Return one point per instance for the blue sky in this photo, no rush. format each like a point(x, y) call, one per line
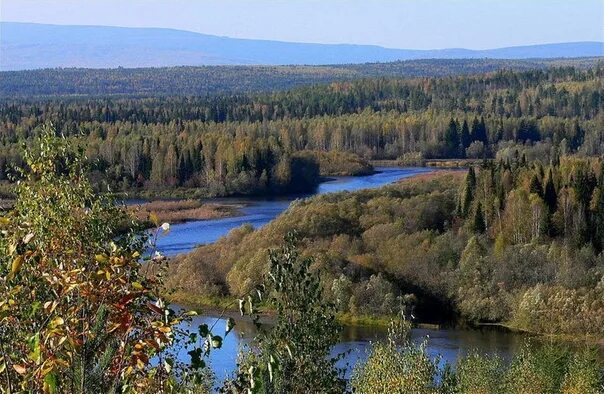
point(414, 24)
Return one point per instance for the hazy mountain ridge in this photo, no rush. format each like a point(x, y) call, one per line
point(34, 46)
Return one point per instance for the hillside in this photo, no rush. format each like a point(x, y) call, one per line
point(34, 46)
point(205, 80)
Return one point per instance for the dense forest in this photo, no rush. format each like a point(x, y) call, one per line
point(269, 142)
point(511, 242)
point(209, 80)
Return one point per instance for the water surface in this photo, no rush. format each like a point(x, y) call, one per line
point(259, 211)
point(446, 344)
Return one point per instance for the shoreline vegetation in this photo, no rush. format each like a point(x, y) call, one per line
point(181, 211)
point(224, 307)
point(305, 171)
point(457, 270)
point(178, 211)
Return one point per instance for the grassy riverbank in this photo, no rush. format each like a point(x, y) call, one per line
point(228, 307)
point(179, 211)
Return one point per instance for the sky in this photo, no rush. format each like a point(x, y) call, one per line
point(409, 24)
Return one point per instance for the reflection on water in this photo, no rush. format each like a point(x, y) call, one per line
point(448, 344)
point(259, 211)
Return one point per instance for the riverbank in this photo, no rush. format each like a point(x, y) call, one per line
point(577, 338)
point(436, 163)
point(225, 307)
point(181, 211)
point(458, 173)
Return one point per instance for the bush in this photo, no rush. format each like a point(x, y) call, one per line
point(476, 374)
point(390, 369)
point(77, 314)
point(294, 355)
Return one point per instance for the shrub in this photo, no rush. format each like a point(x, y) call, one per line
point(77, 314)
point(390, 369)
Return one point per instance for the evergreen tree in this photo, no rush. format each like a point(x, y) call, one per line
point(578, 136)
point(452, 140)
point(468, 192)
point(549, 195)
point(598, 218)
point(484, 137)
point(478, 224)
point(479, 131)
point(535, 186)
point(475, 129)
point(466, 138)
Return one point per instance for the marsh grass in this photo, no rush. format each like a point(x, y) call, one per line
point(179, 211)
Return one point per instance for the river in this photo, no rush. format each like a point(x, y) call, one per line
point(259, 211)
point(355, 342)
point(449, 344)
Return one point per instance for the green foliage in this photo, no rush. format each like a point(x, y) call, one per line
point(397, 366)
point(271, 143)
point(294, 355)
point(78, 314)
point(546, 369)
point(477, 375)
point(478, 224)
point(583, 375)
point(389, 370)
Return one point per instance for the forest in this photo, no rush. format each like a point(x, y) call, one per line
point(515, 240)
point(268, 142)
point(511, 242)
point(211, 80)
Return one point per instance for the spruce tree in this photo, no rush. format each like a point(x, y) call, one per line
point(475, 133)
point(466, 138)
point(468, 193)
point(535, 186)
point(452, 139)
point(478, 224)
point(483, 132)
point(549, 195)
point(598, 215)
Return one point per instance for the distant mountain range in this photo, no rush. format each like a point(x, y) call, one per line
point(34, 46)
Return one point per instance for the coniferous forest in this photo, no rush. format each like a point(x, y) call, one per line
point(267, 143)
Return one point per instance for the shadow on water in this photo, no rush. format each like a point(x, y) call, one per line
point(355, 343)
